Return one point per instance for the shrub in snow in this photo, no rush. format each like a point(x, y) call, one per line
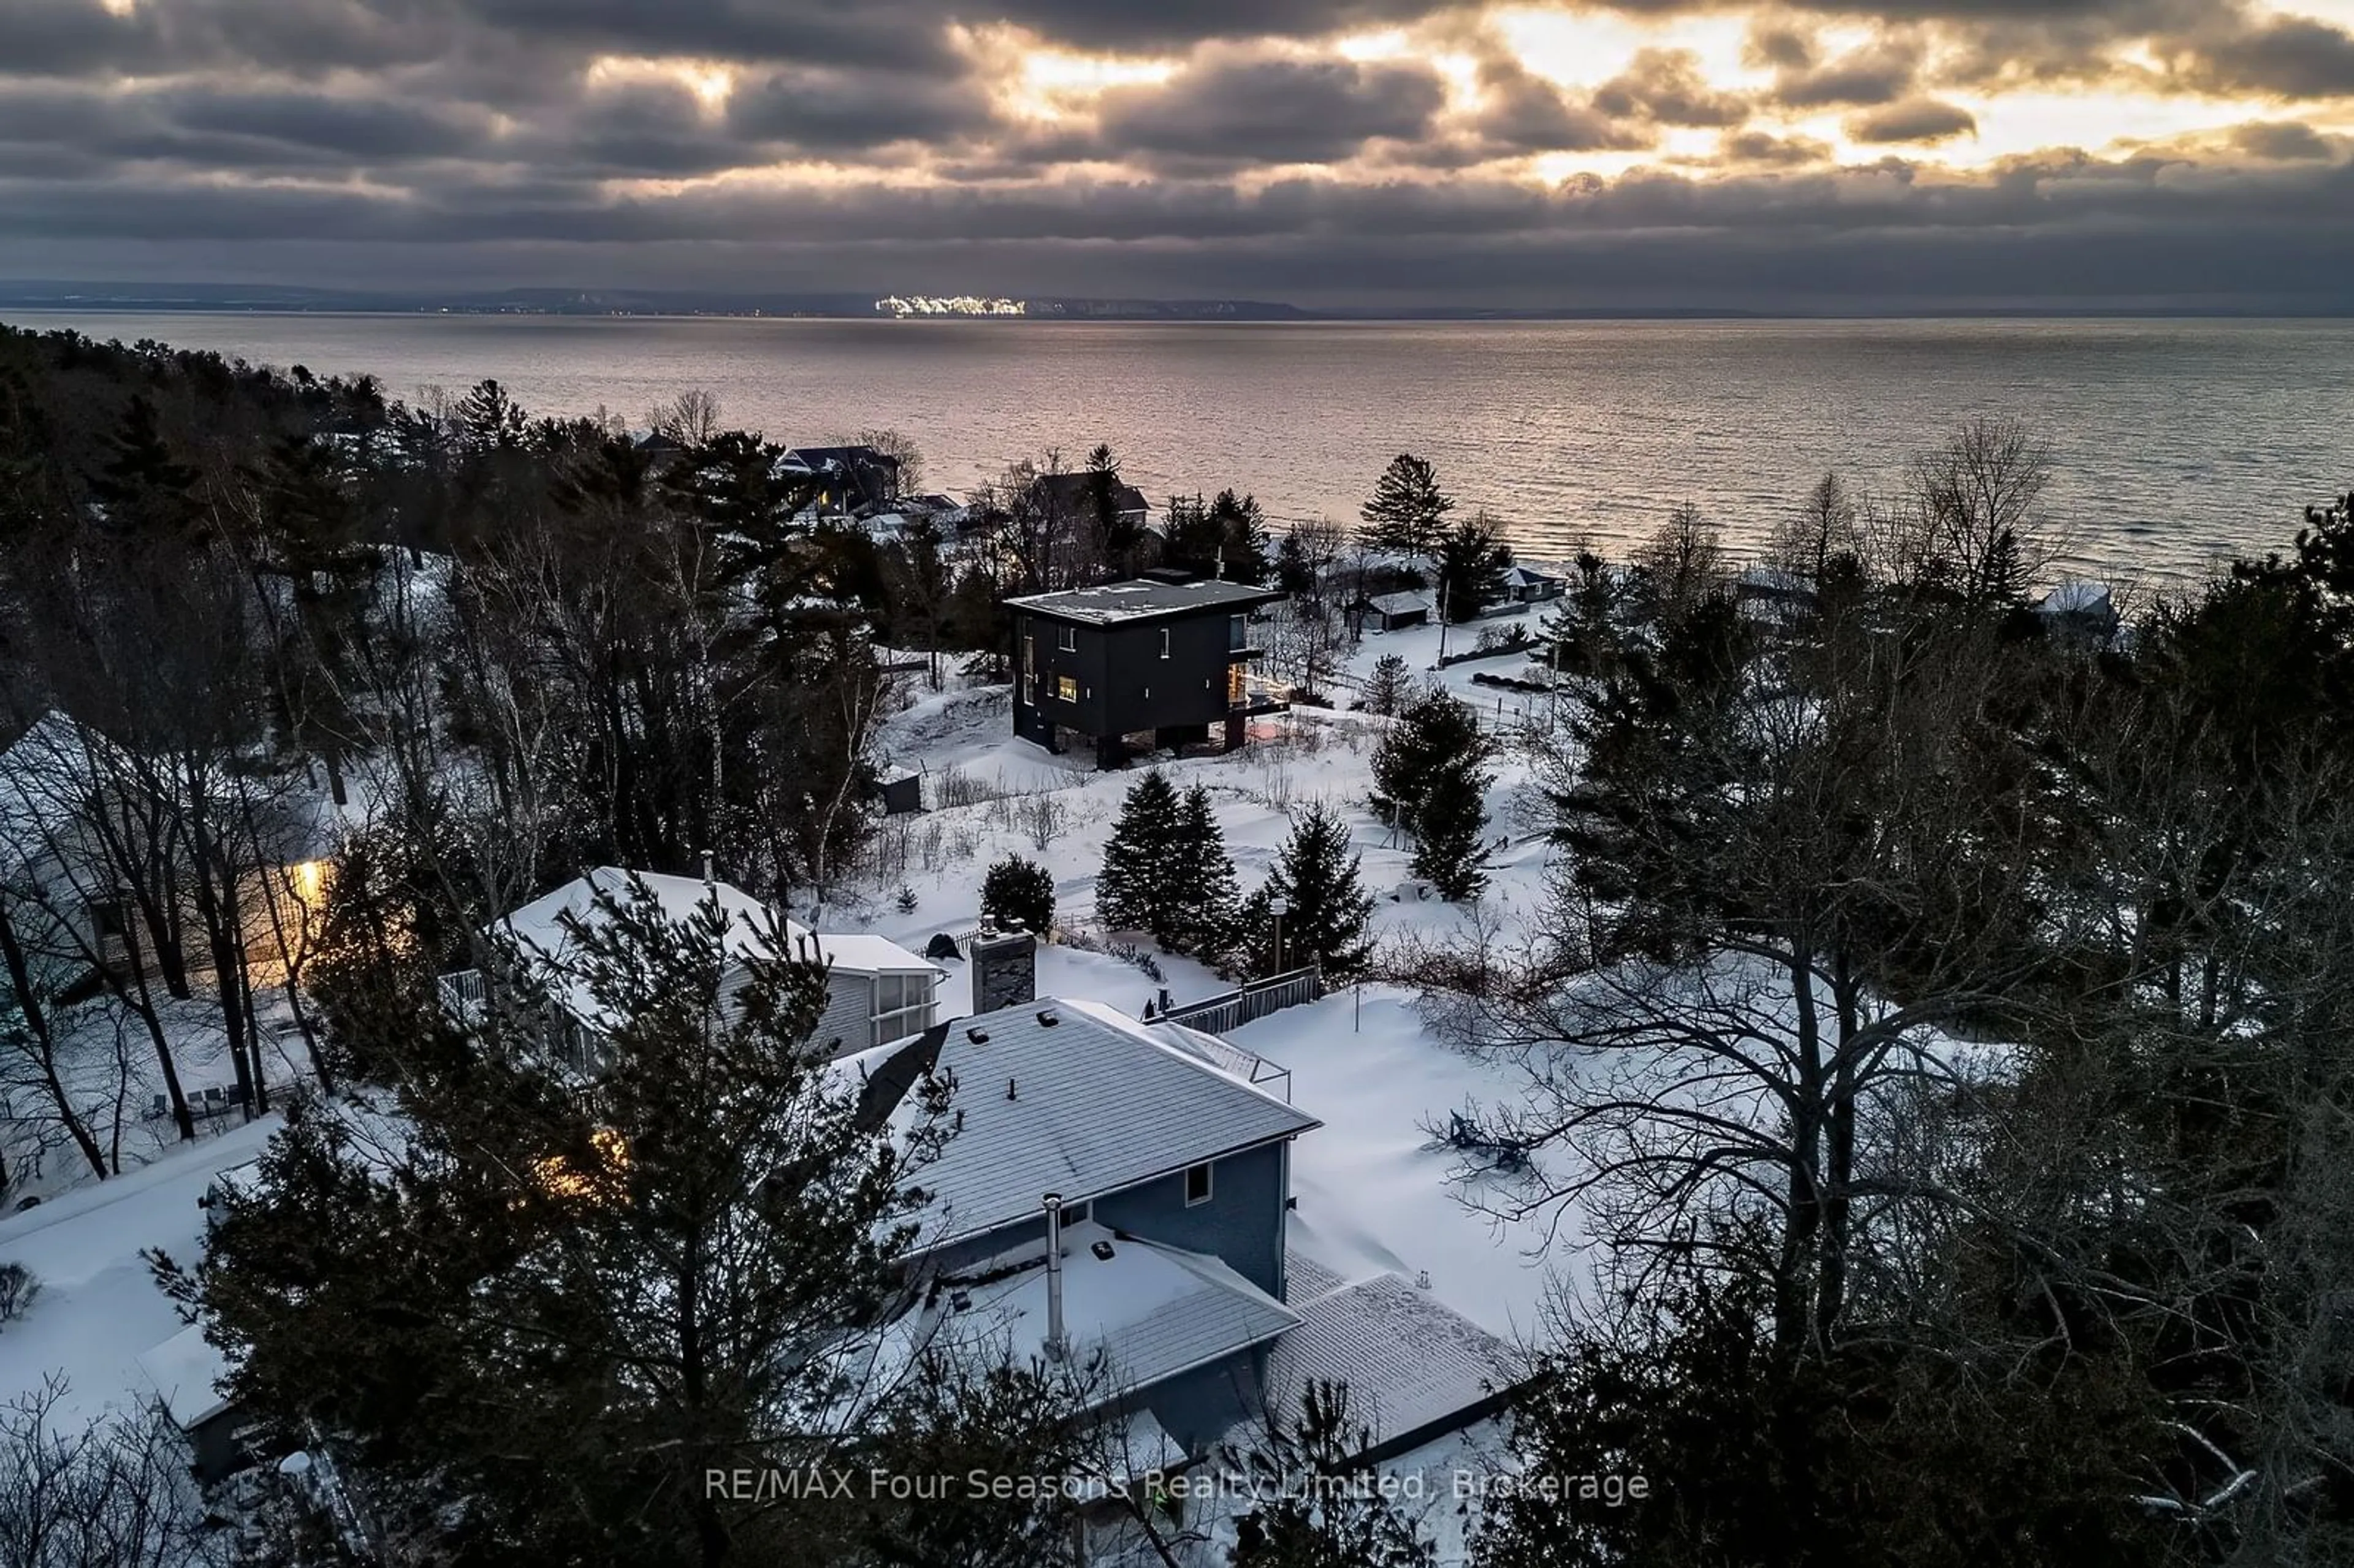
point(17, 1288)
point(1019, 892)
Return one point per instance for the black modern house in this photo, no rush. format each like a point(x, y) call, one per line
point(1129, 667)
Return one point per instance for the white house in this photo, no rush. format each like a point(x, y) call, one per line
point(877, 991)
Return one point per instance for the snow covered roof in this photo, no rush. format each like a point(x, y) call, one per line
point(186, 1370)
point(1411, 1364)
point(1520, 576)
point(866, 955)
point(543, 927)
point(1100, 1103)
point(1135, 1313)
point(1405, 602)
point(44, 775)
point(2076, 597)
point(1142, 598)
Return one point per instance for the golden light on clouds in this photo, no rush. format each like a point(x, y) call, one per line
point(710, 82)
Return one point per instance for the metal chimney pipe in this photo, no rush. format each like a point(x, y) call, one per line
point(1054, 1275)
point(709, 877)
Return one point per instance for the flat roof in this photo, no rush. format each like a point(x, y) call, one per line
point(1144, 598)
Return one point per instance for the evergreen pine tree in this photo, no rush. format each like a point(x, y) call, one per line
point(1387, 686)
point(1433, 729)
point(1019, 893)
point(1408, 510)
point(1137, 891)
point(1451, 848)
point(1472, 561)
point(1203, 878)
point(1329, 907)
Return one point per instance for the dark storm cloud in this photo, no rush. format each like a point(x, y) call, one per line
point(1270, 110)
point(821, 109)
point(1916, 120)
point(2039, 229)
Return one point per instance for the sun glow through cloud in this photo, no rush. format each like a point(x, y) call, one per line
point(710, 82)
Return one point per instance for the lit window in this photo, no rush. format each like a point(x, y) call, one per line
point(1197, 1185)
point(1068, 688)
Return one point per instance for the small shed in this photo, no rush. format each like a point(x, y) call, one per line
point(1393, 612)
point(187, 1371)
point(901, 790)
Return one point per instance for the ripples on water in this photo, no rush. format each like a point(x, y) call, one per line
point(2177, 443)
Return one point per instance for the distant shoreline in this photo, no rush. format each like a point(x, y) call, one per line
point(65, 299)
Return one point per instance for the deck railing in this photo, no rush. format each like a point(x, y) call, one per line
point(1217, 1014)
point(464, 996)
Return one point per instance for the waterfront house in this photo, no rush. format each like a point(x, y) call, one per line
point(1526, 585)
point(1131, 667)
point(2080, 612)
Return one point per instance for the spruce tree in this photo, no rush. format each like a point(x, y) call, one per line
point(1137, 891)
point(1203, 878)
point(1434, 729)
point(1451, 847)
point(1019, 893)
point(1330, 910)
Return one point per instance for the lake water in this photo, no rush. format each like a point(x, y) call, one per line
point(2177, 443)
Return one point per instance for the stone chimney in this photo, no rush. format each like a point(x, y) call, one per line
point(1005, 970)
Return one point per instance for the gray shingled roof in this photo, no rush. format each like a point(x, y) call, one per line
point(1411, 1363)
point(1100, 1103)
point(1141, 598)
point(1140, 1316)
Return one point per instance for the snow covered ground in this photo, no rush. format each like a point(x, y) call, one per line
point(1372, 1186)
point(98, 1308)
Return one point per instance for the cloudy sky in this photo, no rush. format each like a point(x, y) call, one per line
point(1639, 152)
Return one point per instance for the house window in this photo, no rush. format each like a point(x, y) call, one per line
point(1068, 688)
point(1238, 633)
point(1164, 643)
point(1030, 690)
point(1197, 1185)
point(109, 920)
point(1067, 640)
point(903, 1006)
point(1029, 654)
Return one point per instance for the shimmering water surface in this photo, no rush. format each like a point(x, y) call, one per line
point(2177, 442)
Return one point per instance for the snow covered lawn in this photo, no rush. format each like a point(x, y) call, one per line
point(1373, 1187)
point(97, 1309)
